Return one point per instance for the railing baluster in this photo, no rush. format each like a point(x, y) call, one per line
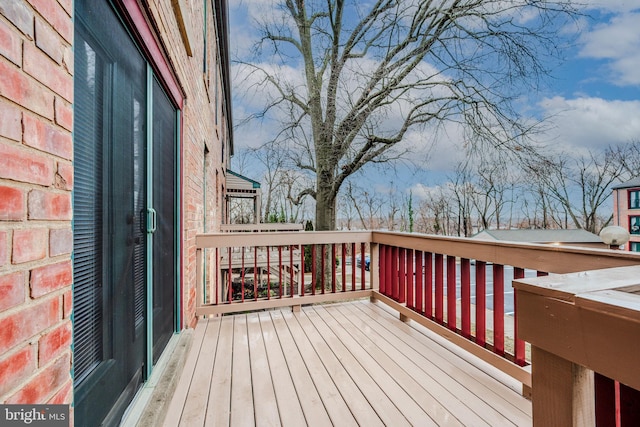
point(410, 280)
point(217, 276)
point(419, 307)
point(451, 292)
point(362, 267)
point(343, 263)
point(519, 345)
point(605, 401)
point(313, 269)
point(302, 269)
point(402, 275)
point(428, 284)
point(291, 275)
point(280, 286)
point(439, 285)
point(481, 303)
point(389, 271)
point(382, 256)
point(268, 273)
point(394, 273)
point(255, 273)
point(322, 268)
point(353, 266)
point(333, 268)
point(498, 309)
point(465, 297)
point(230, 277)
point(242, 275)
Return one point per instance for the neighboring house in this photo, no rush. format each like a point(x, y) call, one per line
point(115, 135)
point(552, 237)
point(626, 211)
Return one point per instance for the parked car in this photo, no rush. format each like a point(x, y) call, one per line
point(367, 262)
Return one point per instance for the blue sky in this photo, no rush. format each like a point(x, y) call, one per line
point(593, 98)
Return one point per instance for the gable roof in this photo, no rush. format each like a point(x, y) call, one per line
point(539, 236)
point(629, 184)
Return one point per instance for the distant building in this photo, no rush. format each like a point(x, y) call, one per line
point(626, 210)
point(552, 237)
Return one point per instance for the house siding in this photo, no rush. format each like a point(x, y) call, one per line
point(36, 179)
point(622, 212)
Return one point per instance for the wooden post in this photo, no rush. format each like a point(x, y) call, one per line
point(562, 391)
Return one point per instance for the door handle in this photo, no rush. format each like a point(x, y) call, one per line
point(152, 220)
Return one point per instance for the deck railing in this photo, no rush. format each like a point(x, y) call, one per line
point(579, 324)
point(453, 286)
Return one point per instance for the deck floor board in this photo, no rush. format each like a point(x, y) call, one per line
point(341, 364)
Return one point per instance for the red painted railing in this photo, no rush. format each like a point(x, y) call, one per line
point(442, 288)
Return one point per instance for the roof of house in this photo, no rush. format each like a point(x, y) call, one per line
point(539, 236)
point(629, 184)
point(235, 181)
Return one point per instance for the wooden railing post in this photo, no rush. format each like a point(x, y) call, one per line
point(200, 282)
point(374, 268)
point(562, 391)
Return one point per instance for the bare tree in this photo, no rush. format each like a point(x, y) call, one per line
point(373, 71)
point(580, 185)
point(628, 155)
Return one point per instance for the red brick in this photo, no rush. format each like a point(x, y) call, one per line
point(11, 204)
point(22, 325)
point(44, 383)
point(25, 165)
point(10, 44)
point(3, 248)
point(47, 72)
point(56, 16)
point(10, 125)
point(46, 137)
point(67, 304)
point(50, 278)
point(16, 368)
point(60, 241)
point(11, 291)
point(63, 396)
point(29, 245)
point(48, 41)
point(64, 176)
point(67, 59)
point(21, 89)
point(67, 5)
point(54, 343)
point(63, 114)
point(19, 14)
point(49, 206)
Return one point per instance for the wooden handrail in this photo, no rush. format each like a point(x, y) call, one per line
point(579, 324)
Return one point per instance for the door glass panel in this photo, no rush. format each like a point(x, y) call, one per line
point(164, 196)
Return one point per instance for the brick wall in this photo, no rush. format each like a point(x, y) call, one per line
point(200, 128)
point(36, 179)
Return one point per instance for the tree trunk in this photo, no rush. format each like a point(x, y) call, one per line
point(325, 206)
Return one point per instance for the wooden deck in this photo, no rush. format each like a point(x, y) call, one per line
point(344, 364)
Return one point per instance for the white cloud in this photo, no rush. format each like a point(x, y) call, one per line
point(616, 41)
point(591, 123)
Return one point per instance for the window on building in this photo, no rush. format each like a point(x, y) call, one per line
point(634, 224)
point(634, 199)
point(635, 246)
